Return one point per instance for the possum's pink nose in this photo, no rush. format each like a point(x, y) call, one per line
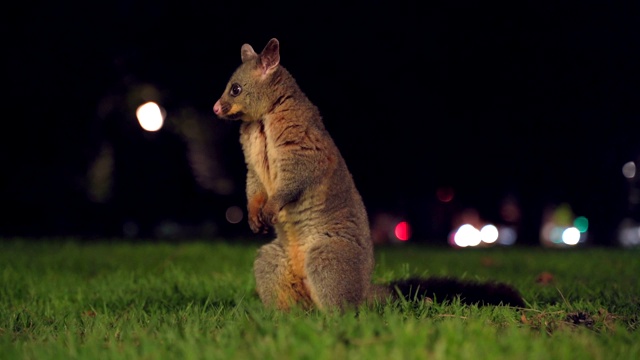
point(217, 107)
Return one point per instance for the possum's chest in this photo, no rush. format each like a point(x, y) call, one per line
point(259, 154)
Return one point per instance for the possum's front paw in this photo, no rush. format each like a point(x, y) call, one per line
point(269, 214)
point(256, 224)
point(263, 219)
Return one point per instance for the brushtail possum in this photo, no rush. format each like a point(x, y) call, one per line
point(298, 185)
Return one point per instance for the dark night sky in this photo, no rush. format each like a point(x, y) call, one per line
point(535, 100)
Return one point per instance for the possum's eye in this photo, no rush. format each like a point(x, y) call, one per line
point(235, 90)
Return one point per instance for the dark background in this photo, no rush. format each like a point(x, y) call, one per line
point(532, 101)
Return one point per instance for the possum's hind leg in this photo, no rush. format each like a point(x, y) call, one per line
point(276, 285)
point(336, 273)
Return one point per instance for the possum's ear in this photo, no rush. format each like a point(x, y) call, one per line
point(270, 56)
point(247, 53)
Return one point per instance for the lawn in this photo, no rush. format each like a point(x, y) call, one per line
point(69, 299)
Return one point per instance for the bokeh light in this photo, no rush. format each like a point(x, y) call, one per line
point(403, 231)
point(467, 235)
point(489, 234)
point(629, 233)
point(445, 194)
point(629, 170)
point(508, 235)
point(234, 214)
point(581, 223)
point(150, 116)
point(571, 236)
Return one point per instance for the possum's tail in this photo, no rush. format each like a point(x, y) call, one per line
point(447, 289)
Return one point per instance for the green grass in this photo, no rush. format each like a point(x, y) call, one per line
point(196, 300)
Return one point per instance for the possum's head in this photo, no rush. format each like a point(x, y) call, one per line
point(249, 92)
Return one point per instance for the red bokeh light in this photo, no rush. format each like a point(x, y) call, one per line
point(445, 194)
point(403, 231)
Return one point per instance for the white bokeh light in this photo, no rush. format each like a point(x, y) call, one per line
point(571, 236)
point(629, 170)
point(467, 235)
point(489, 234)
point(150, 116)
